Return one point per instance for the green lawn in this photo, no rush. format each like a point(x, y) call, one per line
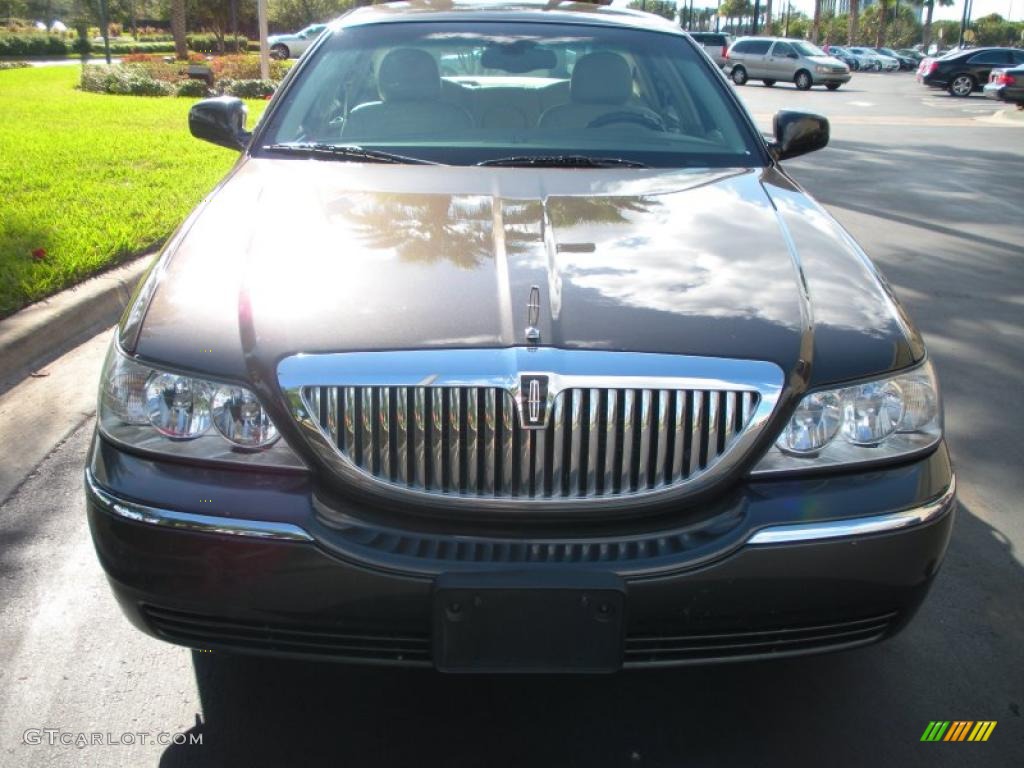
point(92, 179)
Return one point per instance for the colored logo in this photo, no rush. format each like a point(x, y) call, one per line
point(958, 730)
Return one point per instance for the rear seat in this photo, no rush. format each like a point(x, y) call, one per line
point(505, 107)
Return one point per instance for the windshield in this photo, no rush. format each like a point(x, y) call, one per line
point(470, 92)
point(806, 49)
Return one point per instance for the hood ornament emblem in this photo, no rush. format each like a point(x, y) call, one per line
point(533, 317)
point(533, 400)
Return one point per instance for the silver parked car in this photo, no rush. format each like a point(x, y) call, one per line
point(773, 60)
point(294, 45)
point(879, 61)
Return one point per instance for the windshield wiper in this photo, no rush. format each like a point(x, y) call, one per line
point(562, 161)
point(344, 152)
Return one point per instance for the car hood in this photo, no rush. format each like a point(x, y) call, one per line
point(831, 61)
point(304, 256)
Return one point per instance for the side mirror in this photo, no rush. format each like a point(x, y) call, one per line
point(220, 121)
point(797, 133)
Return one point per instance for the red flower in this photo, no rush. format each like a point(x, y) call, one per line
point(39, 254)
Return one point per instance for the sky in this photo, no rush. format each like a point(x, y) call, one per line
point(1008, 9)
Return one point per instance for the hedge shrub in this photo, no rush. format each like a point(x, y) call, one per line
point(123, 80)
point(196, 89)
point(209, 44)
point(246, 89)
point(32, 45)
point(119, 49)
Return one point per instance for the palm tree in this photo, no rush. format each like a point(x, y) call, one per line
point(816, 25)
point(178, 29)
point(883, 20)
point(926, 34)
point(768, 17)
point(851, 22)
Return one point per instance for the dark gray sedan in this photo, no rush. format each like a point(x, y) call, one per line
point(509, 345)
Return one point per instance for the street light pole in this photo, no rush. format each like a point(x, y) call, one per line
point(261, 10)
point(964, 21)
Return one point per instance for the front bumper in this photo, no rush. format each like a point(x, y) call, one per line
point(780, 568)
point(830, 77)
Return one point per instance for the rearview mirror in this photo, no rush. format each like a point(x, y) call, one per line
point(220, 121)
point(797, 133)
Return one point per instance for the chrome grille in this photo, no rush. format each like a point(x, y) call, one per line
point(467, 440)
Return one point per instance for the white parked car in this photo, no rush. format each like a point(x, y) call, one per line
point(294, 45)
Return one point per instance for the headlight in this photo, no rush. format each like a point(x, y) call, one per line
point(169, 413)
point(822, 70)
point(881, 419)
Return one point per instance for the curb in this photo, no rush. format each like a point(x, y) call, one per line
point(33, 336)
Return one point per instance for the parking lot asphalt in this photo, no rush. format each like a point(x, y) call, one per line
point(931, 187)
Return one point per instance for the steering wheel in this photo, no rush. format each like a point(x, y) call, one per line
point(647, 121)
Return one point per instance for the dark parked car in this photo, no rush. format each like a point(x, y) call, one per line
point(965, 71)
point(550, 367)
point(1006, 85)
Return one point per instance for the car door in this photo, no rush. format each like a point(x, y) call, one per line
point(756, 59)
point(981, 64)
point(781, 62)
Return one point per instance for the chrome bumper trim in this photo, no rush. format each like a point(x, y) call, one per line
point(189, 521)
point(858, 526)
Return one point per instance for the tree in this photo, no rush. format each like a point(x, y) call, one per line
point(926, 36)
point(178, 29)
point(661, 7)
point(851, 26)
point(883, 20)
point(295, 14)
point(816, 24)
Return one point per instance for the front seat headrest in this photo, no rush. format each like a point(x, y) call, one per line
point(601, 78)
point(408, 74)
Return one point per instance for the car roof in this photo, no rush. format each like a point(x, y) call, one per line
point(554, 12)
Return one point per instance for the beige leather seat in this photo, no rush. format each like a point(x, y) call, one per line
point(601, 84)
point(409, 84)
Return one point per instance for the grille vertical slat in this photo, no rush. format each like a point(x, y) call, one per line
point(471, 407)
point(488, 417)
point(662, 433)
point(572, 471)
point(365, 426)
point(626, 461)
point(594, 433)
point(558, 487)
point(469, 441)
point(643, 459)
point(680, 399)
point(382, 436)
point(454, 438)
point(417, 438)
point(696, 430)
point(610, 441)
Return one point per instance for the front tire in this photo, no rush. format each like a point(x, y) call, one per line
point(833, 86)
point(803, 80)
point(739, 75)
point(961, 86)
point(768, 83)
point(279, 51)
